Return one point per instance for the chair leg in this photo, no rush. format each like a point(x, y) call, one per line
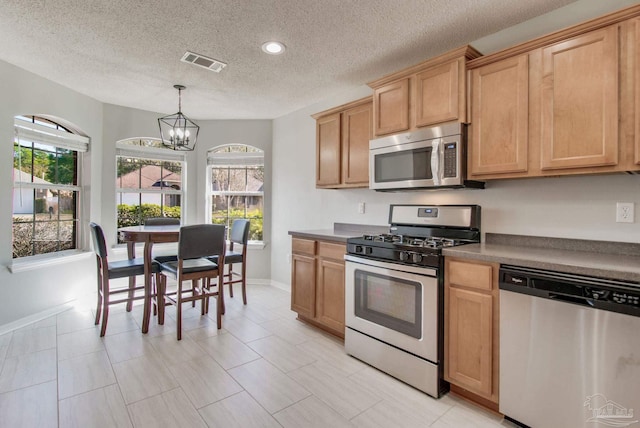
point(154, 292)
point(162, 285)
point(219, 303)
point(244, 283)
point(229, 279)
point(132, 285)
point(105, 314)
point(194, 283)
point(179, 309)
point(99, 305)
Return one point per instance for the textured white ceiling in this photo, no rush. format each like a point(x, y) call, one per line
point(128, 52)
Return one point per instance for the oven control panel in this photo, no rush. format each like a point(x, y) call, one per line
point(395, 255)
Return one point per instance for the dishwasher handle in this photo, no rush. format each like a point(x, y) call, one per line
point(577, 300)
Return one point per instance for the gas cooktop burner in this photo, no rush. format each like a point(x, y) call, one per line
point(417, 234)
point(412, 241)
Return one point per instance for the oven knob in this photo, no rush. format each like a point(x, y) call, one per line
point(368, 250)
point(416, 257)
point(358, 248)
point(404, 256)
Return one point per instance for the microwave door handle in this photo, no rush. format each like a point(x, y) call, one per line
point(436, 159)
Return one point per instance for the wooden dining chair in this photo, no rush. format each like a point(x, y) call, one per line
point(106, 271)
point(162, 221)
point(195, 245)
point(239, 236)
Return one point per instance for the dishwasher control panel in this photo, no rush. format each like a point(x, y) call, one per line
point(628, 298)
point(599, 293)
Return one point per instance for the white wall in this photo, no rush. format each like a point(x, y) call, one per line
point(26, 293)
point(571, 207)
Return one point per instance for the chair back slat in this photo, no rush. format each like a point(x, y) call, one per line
point(240, 231)
point(97, 237)
point(201, 240)
point(162, 221)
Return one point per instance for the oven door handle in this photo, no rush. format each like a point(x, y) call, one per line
point(418, 270)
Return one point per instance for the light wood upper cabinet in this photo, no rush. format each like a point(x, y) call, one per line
point(563, 104)
point(437, 94)
point(391, 107)
point(499, 117)
point(342, 145)
point(328, 150)
point(635, 48)
point(356, 133)
point(580, 101)
point(472, 323)
point(428, 93)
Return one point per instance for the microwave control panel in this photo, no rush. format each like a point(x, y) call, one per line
point(450, 160)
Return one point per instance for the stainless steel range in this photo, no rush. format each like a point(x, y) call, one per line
point(394, 291)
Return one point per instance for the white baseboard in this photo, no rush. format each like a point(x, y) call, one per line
point(22, 322)
point(270, 282)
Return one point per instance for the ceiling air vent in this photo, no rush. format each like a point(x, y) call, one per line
point(203, 61)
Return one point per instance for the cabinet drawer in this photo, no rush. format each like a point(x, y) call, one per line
point(472, 275)
point(331, 251)
point(303, 246)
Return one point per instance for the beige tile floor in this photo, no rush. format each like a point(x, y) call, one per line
point(263, 369)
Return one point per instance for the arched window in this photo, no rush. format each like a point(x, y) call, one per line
point(46, 188)
point(149, 181)
point(236, 186)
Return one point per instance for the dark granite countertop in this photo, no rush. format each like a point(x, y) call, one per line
point(340, 232)
point(601, 259)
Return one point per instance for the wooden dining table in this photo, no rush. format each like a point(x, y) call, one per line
point(149, 235)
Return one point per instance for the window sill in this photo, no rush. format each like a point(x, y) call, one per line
point(256, 245)
point(47, 260)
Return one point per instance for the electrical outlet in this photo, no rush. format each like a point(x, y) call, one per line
point(624, 212)
point(361, 208)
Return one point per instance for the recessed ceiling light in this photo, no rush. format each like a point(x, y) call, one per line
point(273, 48)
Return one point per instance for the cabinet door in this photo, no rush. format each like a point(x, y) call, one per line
point(469, 353)
point(636, 157)
point(328, 150)
point(436, 94)
point(580, 101)
point(391, 107)
point(330, 294)
point(303, 285)
point(356, 133)
point(499, 117)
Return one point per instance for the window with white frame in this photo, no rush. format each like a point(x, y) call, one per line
point(236, 186)
point(149, 181)
point(46, 188)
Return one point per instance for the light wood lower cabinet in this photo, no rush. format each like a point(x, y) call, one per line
point(317, 283)
point(471, 327)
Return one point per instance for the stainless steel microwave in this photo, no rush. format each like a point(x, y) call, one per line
point(428, 158)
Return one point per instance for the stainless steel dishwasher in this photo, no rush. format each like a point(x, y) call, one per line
point(569, 350)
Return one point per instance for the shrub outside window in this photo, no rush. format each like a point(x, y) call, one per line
point(236, 183)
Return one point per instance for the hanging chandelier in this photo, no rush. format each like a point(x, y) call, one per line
point(177, 131)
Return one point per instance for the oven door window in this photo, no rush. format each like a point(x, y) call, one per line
point(391, 302)
point(403, 165)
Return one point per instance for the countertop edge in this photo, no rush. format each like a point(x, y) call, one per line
point(340, 232)
point(568, 261)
